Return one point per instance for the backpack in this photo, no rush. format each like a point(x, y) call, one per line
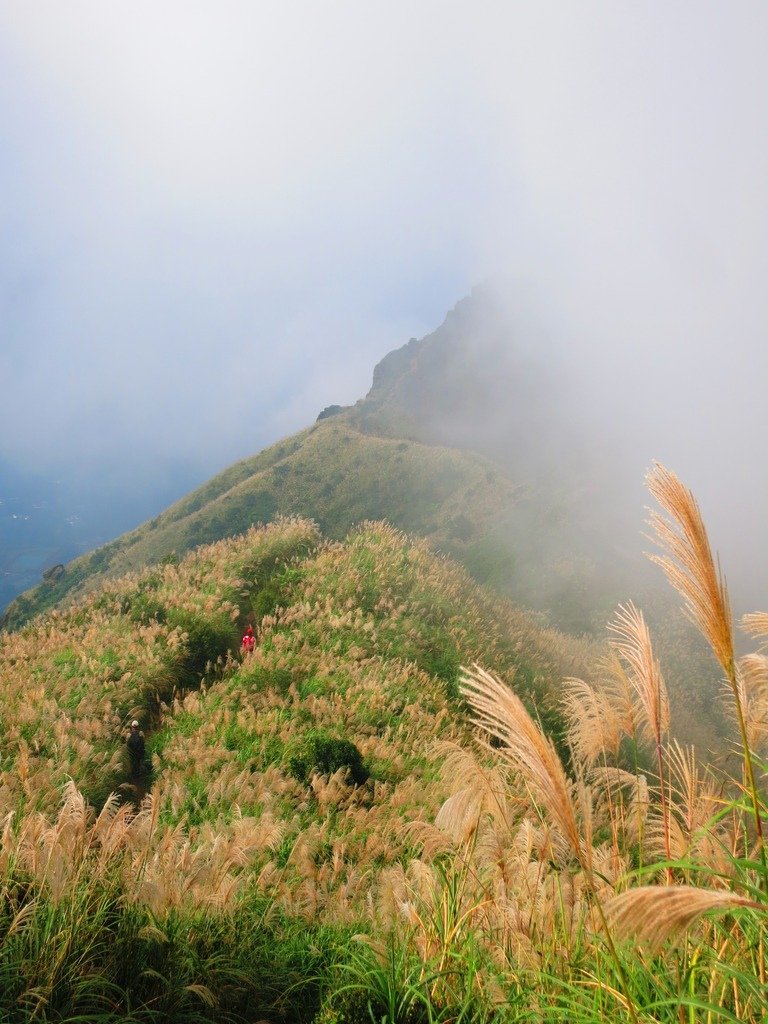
point(135, 744)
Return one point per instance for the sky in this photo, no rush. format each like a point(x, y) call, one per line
point(216, 217)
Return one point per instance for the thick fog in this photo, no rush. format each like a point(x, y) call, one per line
point(217, 217)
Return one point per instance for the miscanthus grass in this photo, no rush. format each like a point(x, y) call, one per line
point(578, 888)
point(115, 917)
point(581, 888)
point(518, 848)
point(229, 891)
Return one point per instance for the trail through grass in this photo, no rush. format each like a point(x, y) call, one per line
point(343, 825)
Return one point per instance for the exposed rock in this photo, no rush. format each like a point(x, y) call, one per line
point(331, 410)
point(54, 573)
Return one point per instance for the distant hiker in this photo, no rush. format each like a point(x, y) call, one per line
point(249, 640)
point(135, 744)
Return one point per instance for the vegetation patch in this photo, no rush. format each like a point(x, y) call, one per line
point(287, 784)
point(318, 751)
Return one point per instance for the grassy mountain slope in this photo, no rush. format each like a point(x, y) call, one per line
point(317, 836)
point(462, 439)
point(325, 611)
point(331, 472)
point(288, 779)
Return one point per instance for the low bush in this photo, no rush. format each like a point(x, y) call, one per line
point(318, 751)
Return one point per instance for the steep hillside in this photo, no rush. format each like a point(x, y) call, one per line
point(293, 774)
point(341, 824)
point(376, 610)
point(330, 472)
point(416, 452)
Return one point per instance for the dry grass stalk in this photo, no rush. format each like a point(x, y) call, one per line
point(628, 816)
point(622, 799)
point(635, 648)
point(477, 791)
point(756, 624)
point(689, 565)
point(501, 713)
point(752, 676)
point(695, 801)
point(595, 724)
point(691, 570)
point(652, 914)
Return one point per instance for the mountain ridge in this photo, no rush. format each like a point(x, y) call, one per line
point(376, 436)
point(463, 438)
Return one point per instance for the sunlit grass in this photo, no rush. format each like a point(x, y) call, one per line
point(344, 825)
point(359, 645)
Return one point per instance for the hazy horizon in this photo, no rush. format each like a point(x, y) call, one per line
point(216, 219)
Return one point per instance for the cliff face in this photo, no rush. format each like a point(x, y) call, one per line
point(478, 384)
point(439, 389)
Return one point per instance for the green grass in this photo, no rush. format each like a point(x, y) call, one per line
point(330, 472)
point(93, 957)
point(356, 667)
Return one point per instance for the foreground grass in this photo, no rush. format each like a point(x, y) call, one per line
point(89, 950)
point(326, 841)
point(588, 891)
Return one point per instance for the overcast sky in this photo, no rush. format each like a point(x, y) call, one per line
point(216, 217)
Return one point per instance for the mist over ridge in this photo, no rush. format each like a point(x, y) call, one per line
point(202, 249)
point(491, 379)
point(585, 418)
point(336, 342)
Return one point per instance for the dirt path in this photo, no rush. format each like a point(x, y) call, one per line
point(137, 785)
point(134, 786)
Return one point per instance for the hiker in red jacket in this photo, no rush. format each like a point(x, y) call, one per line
point(249, 640)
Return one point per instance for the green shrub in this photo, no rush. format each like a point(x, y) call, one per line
point(318, 751)
point(143, 607)
point(207, 640)
point(268, 598)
